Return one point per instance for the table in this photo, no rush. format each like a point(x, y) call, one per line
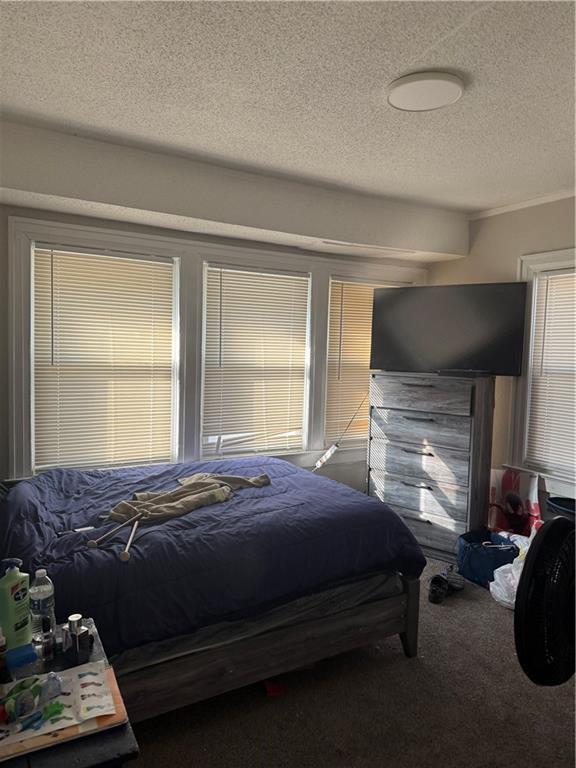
point(110, 749)
point(107, 749)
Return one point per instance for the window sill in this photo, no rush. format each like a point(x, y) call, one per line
point(555, 486)
point(304, 459)
point(345, 455)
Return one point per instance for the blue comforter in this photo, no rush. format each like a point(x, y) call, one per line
point(235, 559)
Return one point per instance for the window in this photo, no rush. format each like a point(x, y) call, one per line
point(103, 370)
point(255, 362)
point(348, 364)
point(109, 312)
point(550, 427)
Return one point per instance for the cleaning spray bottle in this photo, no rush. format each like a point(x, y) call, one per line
point(15, 604)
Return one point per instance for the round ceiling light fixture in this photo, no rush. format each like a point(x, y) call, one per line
point(424, 91)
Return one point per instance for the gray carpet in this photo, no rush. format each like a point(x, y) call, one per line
point(463, 703)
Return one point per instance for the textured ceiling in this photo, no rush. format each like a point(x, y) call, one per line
point(296, 88)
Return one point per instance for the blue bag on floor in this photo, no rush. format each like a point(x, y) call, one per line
point(481, 552)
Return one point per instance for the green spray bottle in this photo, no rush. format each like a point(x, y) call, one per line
point(15, 604)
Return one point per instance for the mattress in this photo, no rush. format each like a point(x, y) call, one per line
point(228, 561)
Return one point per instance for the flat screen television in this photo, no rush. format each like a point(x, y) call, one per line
point(428, 329)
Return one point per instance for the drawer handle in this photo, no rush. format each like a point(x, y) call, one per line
point(416, 384)
point(418, 418)
point(416, 485)
point(417, 452)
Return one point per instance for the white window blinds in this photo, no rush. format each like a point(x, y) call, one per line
point(103, 360)
point(256, 328)
point(348, 370)
point(550, 436)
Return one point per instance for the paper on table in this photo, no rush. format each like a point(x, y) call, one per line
point(85, 695)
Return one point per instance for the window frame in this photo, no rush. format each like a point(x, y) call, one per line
point(174, 262)
point(359, 281)
point(24, 236)
point(192, 252)
point(530, 267)
point(265, 271)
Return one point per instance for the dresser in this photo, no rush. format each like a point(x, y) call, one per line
point(429, 453)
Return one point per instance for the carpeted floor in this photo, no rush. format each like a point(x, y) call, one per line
point(463, 703)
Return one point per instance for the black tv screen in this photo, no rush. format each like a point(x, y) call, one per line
point(426, 329)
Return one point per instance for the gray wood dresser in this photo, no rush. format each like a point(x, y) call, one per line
point(429, 453)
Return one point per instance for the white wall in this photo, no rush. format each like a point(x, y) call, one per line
point(44, 168)
point(496, 244)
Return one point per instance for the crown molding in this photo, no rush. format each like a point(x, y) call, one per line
point(518, 206)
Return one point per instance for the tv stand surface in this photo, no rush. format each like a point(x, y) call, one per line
point(465, 373)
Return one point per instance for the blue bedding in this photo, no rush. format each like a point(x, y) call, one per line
point(261, 548)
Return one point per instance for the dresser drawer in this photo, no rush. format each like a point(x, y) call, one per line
point(432, 534)
point(421, 462)
point(422, 393)
point(423, 497)
point(421, 428)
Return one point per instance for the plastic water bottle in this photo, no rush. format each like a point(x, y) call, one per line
point(42, 608)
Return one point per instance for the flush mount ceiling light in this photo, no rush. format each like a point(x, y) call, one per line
point(424, 91)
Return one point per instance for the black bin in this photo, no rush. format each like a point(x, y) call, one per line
point(560, 506)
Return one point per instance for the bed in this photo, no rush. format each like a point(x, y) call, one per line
point(274, 578)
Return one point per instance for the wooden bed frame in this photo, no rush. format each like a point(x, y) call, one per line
point(185, 680)
point(188, 679)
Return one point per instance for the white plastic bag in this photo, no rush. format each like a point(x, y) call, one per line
point(507, 577)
